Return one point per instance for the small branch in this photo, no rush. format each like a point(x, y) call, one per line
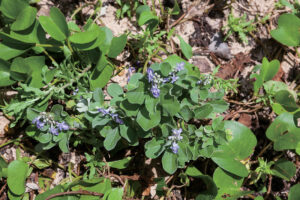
point(9, 142)
point(81, 192)
point(264, 149)
point(2, 189)
point(269, 187)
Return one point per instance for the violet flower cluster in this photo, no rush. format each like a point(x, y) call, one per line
point(175, 138)
point(55, 127)
point(207, 80)
point(156, 80)
point(110, 113)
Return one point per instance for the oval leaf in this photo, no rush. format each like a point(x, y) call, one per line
point(169, 162)
point(55, 25)
point(287, 31)
point(25, 19)
point(16, 176)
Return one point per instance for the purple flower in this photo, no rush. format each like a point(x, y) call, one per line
point(130, 71)
point(199, 82)
point(35, 120)
point(174, 78)
point(75, 91)
point(175, 147)
point(39, 124)
point(104, 111)
point(53, 130)
point(155, 91)
point(179, 66)
point(115, 117)
point(177, 132)
point(165, 80)
point(150, 74)
point(63, 126)
point(176, 135)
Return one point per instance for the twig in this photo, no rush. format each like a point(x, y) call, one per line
point(2, 189)
point(264, 149)
point(82, 192)
point(269, 187)
point(9, 142)
point(184, 14)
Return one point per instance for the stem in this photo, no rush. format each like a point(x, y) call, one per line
point(47, 45)
point(75, 79)
point(69, 46)
point(148, 59)
point(49, 56)
point(264, 149)
point(82, 192)
point(9, 142)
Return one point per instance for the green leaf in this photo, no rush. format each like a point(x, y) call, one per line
point(287, 31)
point(120, 164)
point(100, 79)
point(117, 46)
point(229, 155)
point(269, 69)
point(203, 111)
point(114, 90)
point(186, 113)
point(284, 169)
point(111, 139)
point(231, 165)
point(90, 43)
point(130, 109)
point(55, 190)
point(98, 95)
point(145, 16)
point(151, 104)
point(193, 171)
point(211, 191)
point(185, 48)
point(84, 37)
point(3, 168)
point(129, 134)
point(5, 74)
point(100, 121)
point(25, 19)
point(169, 162)
point(115, 194)
point(283, 132)
point(298, 148)
point(227, 183)
point(41, 163)
point(286, 100)
point(36, 64)
point(170, 104)
point(16, 176)
point(176, 9)
point(11, 50)
point(147, 120)
point(294, 193)
point(165, 68)
point(64, 143)
point(272, 87)
point(137, 96)
point(55, 25)
point(154, 148)
point(134, 81)
point(192, 70)
point(12, 9)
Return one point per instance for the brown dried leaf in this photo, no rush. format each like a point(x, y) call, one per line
point(245, 119)
point(238, 63)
